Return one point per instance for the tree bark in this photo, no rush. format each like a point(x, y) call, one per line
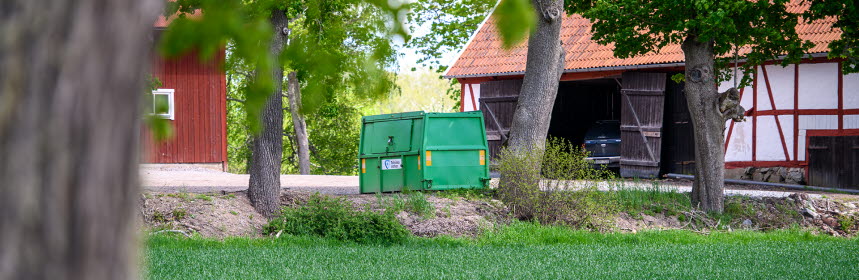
point(545, 63)
point(301, 137)
point(708, 125)
point(264, 183)
point(71, 85)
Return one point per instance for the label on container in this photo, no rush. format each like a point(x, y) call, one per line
point(392, 164)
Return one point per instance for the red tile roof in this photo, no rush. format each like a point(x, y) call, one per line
point(484, 56)
point(163, 22)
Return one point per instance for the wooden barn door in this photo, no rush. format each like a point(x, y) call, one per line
point(678, 142)
point(833, 161)
point(642, 102)
point(498, 102)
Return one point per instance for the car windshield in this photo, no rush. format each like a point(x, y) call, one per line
point(604, 130)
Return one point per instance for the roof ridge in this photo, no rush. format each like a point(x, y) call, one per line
point(584, 53)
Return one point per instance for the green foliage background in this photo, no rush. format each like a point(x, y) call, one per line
point(343, 54)
point(334, 127)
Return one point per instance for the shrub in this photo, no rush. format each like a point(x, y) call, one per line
point(336, 218)
point(565, 161)
point(538, 185)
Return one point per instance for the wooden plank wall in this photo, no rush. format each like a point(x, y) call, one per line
point(833, 161)
point(641, 124)
point(200, 112)
point(500, 97)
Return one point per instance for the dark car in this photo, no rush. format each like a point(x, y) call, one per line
point(602, 141)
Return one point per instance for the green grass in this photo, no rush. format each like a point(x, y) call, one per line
point(652, 200)
point(521, 251)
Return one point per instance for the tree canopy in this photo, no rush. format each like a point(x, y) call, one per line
point(448, 23)
point(332, 45)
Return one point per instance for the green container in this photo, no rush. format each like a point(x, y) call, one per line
point(423, 151)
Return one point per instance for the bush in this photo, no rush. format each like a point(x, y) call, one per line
point(537, 185)
point(336, 218)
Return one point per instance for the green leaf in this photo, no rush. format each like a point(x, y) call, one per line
point(514, 19)
point(678, 78)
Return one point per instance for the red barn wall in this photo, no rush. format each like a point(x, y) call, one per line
point(200, 125)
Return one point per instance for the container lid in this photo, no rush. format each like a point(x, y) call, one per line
point(395, 116)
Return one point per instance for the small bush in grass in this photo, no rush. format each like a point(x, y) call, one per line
point(416, 202)
point(159, 217)
point(336, 218)
point(393, 203)
point(538, 185)
point(410, 201)
point(179, 214)
point(846, 222)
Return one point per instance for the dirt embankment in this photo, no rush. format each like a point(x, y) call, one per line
point(230, 214)
point(210, 215)
point(223, 215)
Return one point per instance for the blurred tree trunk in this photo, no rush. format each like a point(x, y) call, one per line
point(294, 94)
point(71, 83)
point(545, 63)
point(264, 183)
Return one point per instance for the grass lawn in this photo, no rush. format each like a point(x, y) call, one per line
point(522, 251)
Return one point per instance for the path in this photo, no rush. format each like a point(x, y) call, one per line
point(201, 180)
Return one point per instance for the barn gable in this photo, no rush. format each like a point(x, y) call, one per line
point(199, 118)
point(788, 108)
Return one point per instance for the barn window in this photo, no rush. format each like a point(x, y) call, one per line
point(162, 103)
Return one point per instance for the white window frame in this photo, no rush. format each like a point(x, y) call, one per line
point(169, 93)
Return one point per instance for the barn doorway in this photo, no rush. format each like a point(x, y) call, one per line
point(581, 104)
point(833, 161)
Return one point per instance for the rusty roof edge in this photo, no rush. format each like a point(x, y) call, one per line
point(462, 50)
point(599, 69)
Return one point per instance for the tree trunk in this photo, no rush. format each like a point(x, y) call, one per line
point(545, 63)
point(264, 183)
point(71, 83)
point(294, 93)
point(708, 125)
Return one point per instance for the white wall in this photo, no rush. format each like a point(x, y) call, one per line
point(469, 106)
point(851, 121)
point(781, 83)
point(851, 93)
point(818, 89)
point(818, 86)
point(740, 147)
